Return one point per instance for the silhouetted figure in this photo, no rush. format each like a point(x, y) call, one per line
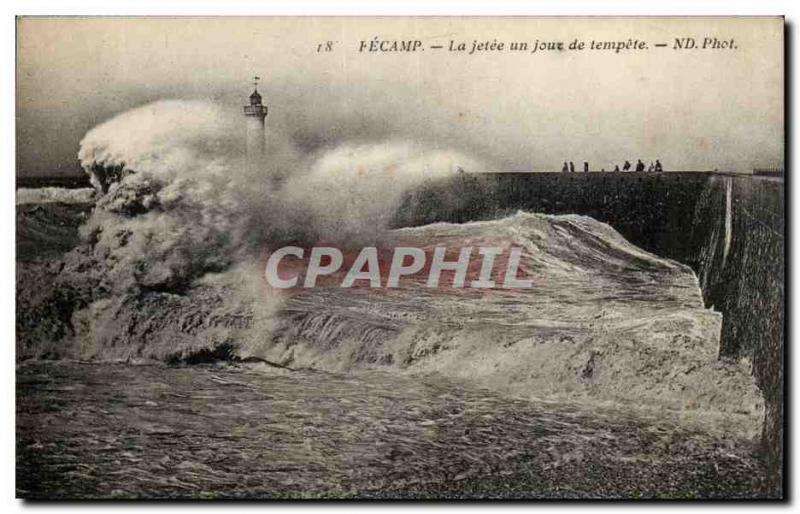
point(602, 170)
point(616, 167)
point(571, 167)
point(626, 166)
point(565, 168)
point(585, 167)
point(652, 167)
point(658, 166)
point(639, 165)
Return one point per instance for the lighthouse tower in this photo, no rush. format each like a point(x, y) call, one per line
point(255, 113)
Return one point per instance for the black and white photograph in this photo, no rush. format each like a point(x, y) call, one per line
point(400, 258)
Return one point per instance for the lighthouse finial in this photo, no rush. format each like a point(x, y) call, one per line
point(255, 82)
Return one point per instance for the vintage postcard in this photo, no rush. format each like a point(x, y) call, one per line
point(400, 258)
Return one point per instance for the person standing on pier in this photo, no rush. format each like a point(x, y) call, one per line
point(585, 167)
point(639, 165)
point(571, 167)
point(626, 166)
point(565, 168)
point(659, 169)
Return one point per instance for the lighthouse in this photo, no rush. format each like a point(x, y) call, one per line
point(254, 113)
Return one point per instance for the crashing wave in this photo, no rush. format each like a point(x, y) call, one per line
point(170, 266)
point(604, 322)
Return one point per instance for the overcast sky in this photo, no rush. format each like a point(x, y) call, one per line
point(516, 110)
